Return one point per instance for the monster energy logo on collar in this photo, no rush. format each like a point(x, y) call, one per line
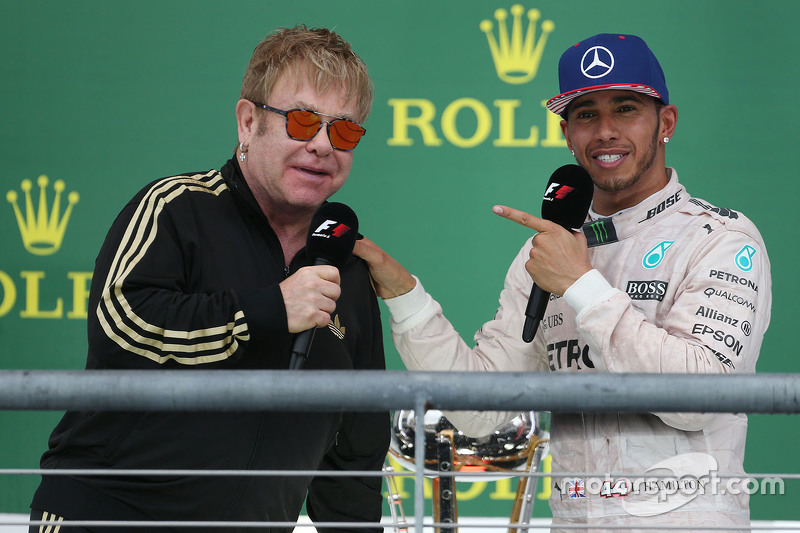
point(600, 232)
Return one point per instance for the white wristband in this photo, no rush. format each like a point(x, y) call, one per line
point(588, 290)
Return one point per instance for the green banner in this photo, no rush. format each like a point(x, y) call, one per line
point(98, 98)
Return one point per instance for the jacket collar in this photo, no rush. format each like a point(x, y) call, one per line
point(601, 230)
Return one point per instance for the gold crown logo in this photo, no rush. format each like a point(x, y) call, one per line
point(42, 232)
point(517, 60)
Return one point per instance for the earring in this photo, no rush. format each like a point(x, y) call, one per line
point(666, 140)
point(243, 149)
point(572, 152)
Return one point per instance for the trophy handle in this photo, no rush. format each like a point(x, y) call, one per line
point(526, 488)
point(445, 508)
point(395, 502)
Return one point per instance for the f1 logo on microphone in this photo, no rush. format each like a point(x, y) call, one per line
point(556, 191)
point(337, 231)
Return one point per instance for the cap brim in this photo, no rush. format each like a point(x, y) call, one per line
point(559, 103)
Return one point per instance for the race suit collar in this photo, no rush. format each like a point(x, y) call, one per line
point(605, 230)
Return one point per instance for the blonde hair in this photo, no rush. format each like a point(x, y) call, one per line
point(318, 55)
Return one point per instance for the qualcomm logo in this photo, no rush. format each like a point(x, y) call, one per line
point(654, 257)
point(517, 56)
point(42, 229)
point(597, 62)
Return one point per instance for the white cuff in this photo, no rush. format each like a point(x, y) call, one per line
point(588, 290)
point(410, 309)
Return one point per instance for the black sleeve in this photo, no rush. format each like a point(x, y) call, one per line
point(155, 300)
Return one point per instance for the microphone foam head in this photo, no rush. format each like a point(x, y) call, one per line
point(568, 196)
point(333, 233)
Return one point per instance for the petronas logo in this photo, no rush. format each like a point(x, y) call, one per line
point(654, 257)
point(744, 259)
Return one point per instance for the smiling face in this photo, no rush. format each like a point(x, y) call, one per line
point(287, 177)
point(617, 136)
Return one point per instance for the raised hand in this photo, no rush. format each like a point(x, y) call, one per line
point(558, 257)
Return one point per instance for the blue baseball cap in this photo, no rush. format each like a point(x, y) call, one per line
point(608, 61)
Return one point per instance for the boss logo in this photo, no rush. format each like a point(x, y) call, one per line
point(647, 290)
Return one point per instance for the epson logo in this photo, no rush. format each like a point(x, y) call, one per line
point(647, 290)
point(721, 336)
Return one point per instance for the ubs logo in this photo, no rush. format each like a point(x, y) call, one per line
point(553, 321)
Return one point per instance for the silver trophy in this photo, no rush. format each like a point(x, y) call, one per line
point(518, 446)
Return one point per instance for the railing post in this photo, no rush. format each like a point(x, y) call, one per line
point(419, 470)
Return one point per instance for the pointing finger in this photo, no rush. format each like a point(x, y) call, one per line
point(522, 218)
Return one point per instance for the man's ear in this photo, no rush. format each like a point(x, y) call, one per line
point(669, 121)
point(565, 133)
point(245, 120)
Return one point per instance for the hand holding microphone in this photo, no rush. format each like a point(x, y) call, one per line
point(558, 257)
point(310, 296)
point(310, 293)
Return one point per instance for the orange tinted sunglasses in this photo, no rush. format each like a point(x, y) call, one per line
point(303, 125)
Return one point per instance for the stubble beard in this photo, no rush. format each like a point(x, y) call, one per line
point(620, 183)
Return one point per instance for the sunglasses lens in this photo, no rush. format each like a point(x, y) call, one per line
point(345, 134)
point(303, 125)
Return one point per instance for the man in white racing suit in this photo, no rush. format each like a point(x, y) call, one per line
point(656, 282)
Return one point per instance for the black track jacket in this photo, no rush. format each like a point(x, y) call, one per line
point(188, 278)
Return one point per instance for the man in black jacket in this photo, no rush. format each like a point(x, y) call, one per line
point(208, 270)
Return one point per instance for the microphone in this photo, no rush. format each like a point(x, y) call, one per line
point(566, 202)
point(331, 238)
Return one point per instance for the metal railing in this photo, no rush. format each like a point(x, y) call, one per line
point(208, 390)
point(369, 390)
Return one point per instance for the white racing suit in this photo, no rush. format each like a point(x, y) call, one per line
point(678, 286)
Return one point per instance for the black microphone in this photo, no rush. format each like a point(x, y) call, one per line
point(331, 238)
point(566, 202)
